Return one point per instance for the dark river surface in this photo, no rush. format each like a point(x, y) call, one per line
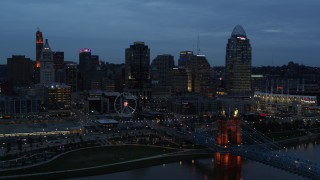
point(204, 169)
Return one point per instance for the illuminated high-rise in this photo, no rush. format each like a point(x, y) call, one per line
point(47, 73)
point(137, 75)
point(184, 57)
point(39, 46)
point(238, 64)
point(84, 59)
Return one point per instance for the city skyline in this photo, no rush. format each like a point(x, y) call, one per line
point(279, 31)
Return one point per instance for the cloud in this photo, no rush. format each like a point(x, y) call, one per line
point(168, 26)
point(272, 31)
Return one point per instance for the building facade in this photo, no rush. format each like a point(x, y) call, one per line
point(160, 72)
point(47, 72)
point(57, 96)
point(20, 70)
point(71, 76)
point(184, 57)
point(238, 64)
point(178, 81)
point(137, 73)
point(39, 46)
point(19, 105)
point(198, 70)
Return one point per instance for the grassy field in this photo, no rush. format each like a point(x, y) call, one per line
point(90, 157)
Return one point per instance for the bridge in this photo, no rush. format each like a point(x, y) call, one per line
point(229, 150)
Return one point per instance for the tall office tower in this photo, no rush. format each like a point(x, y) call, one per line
point(84, 59)
point(161, 65)
point(20, 70)
point(39, 46)
point(137, 74)
point(47, 74)
point(94, 62)
point(184, 57)
point(84, 64)
point(160, 69)
point(178, 81)
point(198, 70)
point(71, 76)
point(238, 64)
point(58, 59)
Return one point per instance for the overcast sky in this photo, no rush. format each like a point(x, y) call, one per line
point(279, 30)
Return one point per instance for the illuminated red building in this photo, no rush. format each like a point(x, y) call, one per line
point(39, 46)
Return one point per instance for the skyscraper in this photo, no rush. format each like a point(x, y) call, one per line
point(84, 60)
point(198, 70)
point(184, 57)
point(238, 64)
point(39, 46)
point(58, 59)
point(137, 76)
point(160, 67)
point(71, 71)
point(160, 72)
point(20, 70)
point(47, 74)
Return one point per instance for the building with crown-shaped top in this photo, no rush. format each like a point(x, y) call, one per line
point(238, 64)
point(47, 74)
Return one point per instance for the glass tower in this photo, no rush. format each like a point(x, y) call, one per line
point(137, 74)
point(238, 64)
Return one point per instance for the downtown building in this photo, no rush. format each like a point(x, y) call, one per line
point(20, 70)
point(39, 47)
point(58, 61)
point(198, 72)
point(161, 67)
point(137, 73)
point(238, 64)
point(88, 64)
point(13, 106)
point(47, 72)
point(237, 74)
point(71, 76)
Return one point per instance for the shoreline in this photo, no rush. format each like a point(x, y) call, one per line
point(139, 163)
point(117, 167)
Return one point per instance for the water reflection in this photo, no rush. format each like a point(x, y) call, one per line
point(209, 169)
point(227, 166)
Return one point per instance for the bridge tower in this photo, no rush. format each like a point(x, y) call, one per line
point(229, 134)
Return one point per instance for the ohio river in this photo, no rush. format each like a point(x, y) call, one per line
point(204, 169)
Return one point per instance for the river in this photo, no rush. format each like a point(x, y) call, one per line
point(204, 169)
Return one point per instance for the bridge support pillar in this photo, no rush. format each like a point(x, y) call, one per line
point(228, 134)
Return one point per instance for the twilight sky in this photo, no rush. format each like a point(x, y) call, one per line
point(279, 30)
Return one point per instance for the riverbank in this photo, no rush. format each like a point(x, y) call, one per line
point(163, 158)
point(300, 139)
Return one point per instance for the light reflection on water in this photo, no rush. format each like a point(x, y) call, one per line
point(205, 169)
